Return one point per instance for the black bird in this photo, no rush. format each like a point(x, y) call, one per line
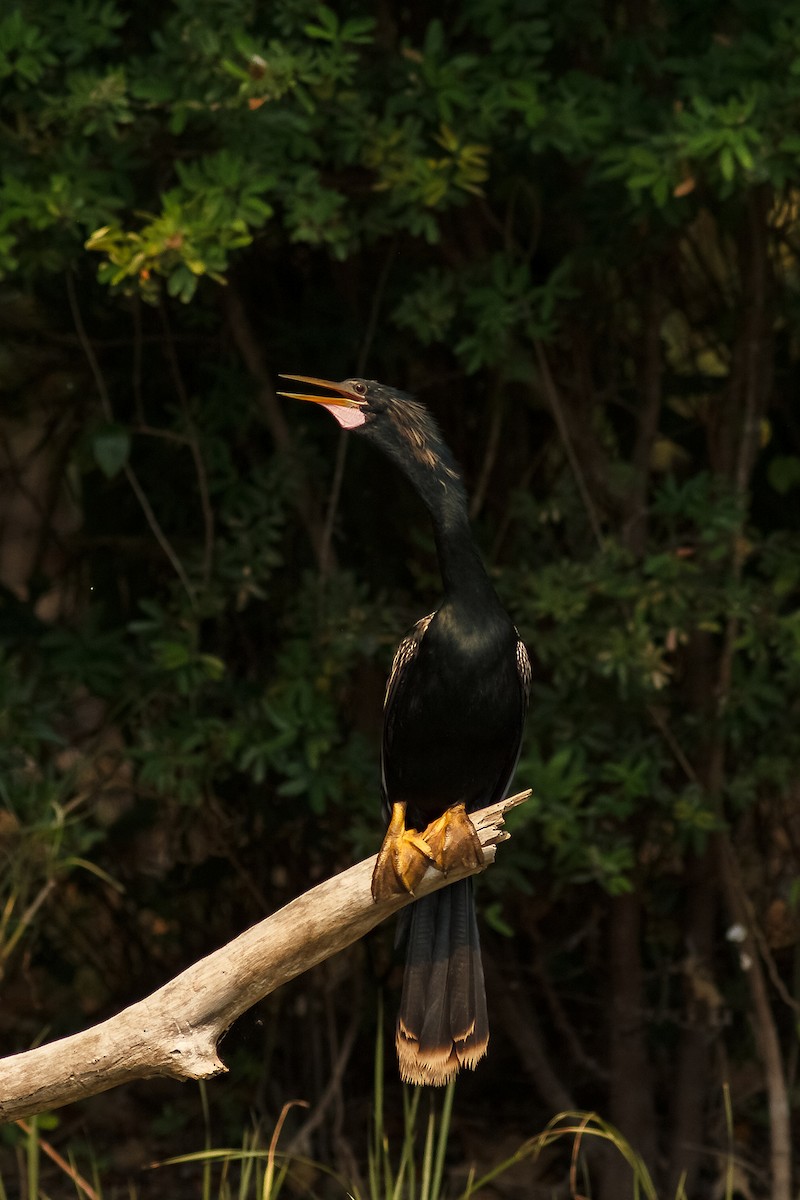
point(453, 721)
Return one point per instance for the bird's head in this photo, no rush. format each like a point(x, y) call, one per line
point(394, 420)
point(354, 403)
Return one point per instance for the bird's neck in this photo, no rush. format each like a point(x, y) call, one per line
point(463, 573)
point(426, 461)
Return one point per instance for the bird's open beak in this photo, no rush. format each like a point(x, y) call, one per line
point(344, 397)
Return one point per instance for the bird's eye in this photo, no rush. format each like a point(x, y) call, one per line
point(360, 389)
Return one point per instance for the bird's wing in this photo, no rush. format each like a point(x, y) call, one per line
point(523, 668)
point(404, 656)
point(524, 673)
point(405, 653)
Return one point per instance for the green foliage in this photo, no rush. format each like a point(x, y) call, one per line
point(211, 213)
point(23, 50)
point(496, 307)
point(612, 658)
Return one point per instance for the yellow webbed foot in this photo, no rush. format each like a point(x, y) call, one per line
point(403, 858)
point(452, 840)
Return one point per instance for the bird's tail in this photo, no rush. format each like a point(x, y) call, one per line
point(442, 1024)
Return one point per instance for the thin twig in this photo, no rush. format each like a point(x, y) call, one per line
point(755, 929)
point(335, 492)
point(661, 723)
point(752, 922)
point(252, 355)
point(158, 532)
point(522, 486)
point(7, 949)
point(766, 1035)
point(333, 1087)
point(136, 368)
point(556, 407)
point(497, 408)
point(564, 1025)
point(60, 1162)
point(168, 435)
point(194, 444)
point(105, 403)
point(332, 507)
point(374, 310)
point(224, 842)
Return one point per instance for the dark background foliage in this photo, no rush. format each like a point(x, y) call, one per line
point(572, 231)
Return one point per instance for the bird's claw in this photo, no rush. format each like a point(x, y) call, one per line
point(403, 859)
point(453, 841)
point(449, 841)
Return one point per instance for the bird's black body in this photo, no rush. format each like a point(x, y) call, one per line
point(453, 720)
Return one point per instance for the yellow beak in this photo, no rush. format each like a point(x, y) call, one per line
point(344, 397)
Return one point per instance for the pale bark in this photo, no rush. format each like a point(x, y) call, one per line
point(174, 1032)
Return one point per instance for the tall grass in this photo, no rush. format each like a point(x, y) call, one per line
point(414, 1169)
point(404, 1176)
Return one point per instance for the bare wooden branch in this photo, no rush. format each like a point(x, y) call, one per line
point(174, 1032)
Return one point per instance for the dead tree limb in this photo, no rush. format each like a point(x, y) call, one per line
point(174, 1032)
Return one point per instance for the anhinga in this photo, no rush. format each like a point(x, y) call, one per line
point(453, 719)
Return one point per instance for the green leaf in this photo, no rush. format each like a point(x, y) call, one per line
point(172, 655)
point(783, 473)
point(358, 30)
point(742, 152)
point(182, 283)
point(213, 666)
point(493, 915)
point(328, 28)
point(111, 447)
